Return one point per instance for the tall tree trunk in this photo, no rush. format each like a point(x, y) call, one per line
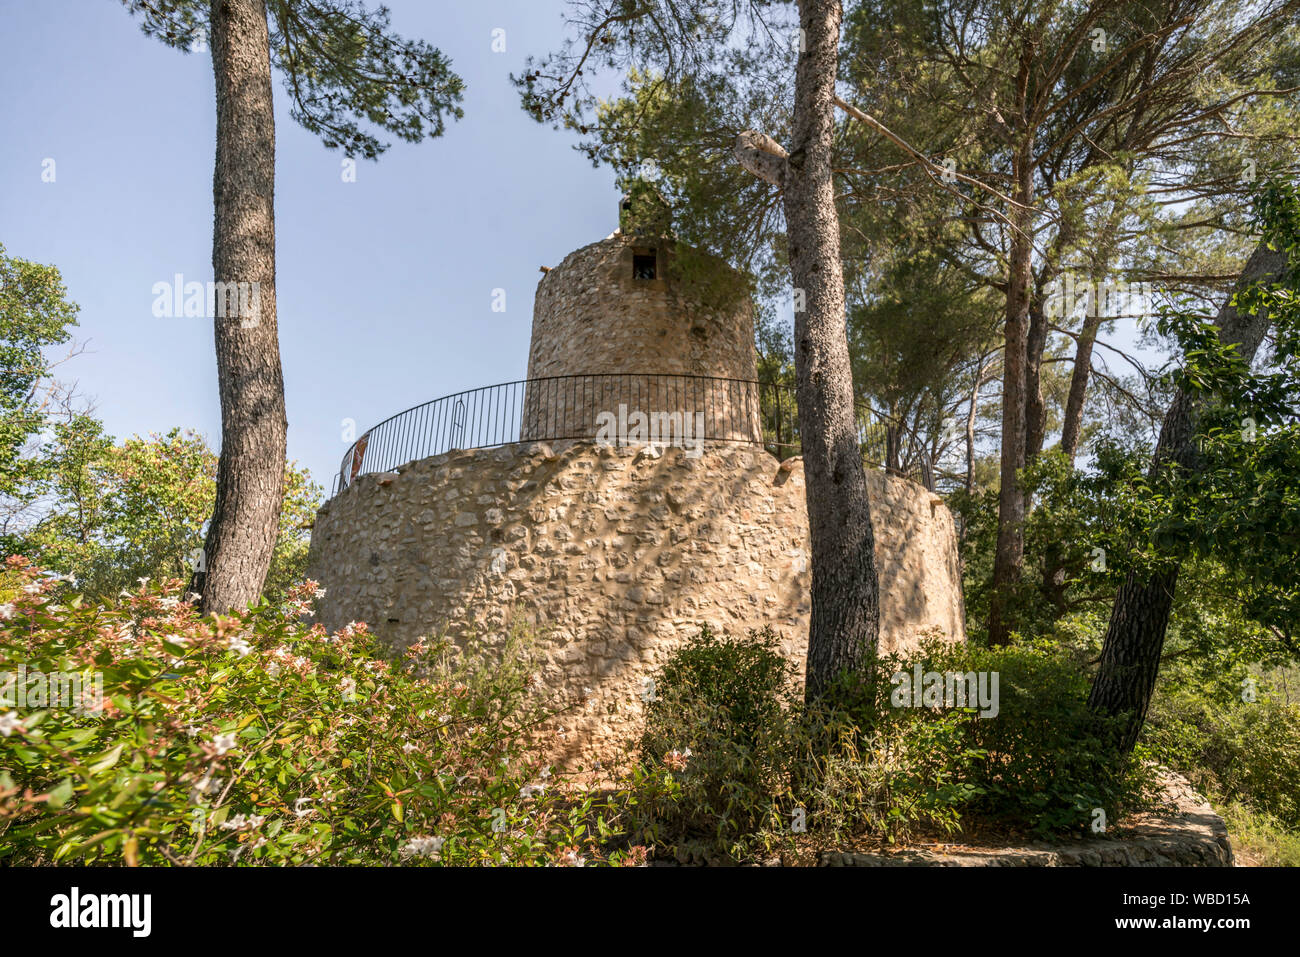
point(1072, 427)
point(845, 619)
point(250, 472)
point(1130, 657)
point(1009, 556)
point(893, 441)
point(1035, 404)
point(972, 415)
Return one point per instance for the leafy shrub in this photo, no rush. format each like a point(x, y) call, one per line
point(1259, 839)
point(1236, 751)
point(715, 754)
point(254, 738)
point(1043, 762)
point(732, 758)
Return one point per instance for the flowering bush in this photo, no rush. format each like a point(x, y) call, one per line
point(259, 739)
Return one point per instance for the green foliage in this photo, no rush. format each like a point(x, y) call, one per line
point(342, 65)
point(746, 680)
point(1040, 764)
point(120, 513)
point(918, 323)
point(254, 739)
point(731, 757)
point(1258, 839)
point(1228, 515)
point(717, 735)
point(302, 497)
point(1235, 500)
point(1073, 517)
point(1236, 750)
point(34, 313)
point(112, 514)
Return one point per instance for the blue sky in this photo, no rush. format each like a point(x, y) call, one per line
point(384, 285)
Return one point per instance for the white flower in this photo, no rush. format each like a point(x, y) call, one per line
point(223, 743)
point(6, 611)
point(240, 821)
point(9, 723)
point(273, 669)
point(349, 688)
point(430, 847)
point(299, 808)
point(239, 646)
point(546, 772)
point(32, 589)
point(204, 786)
point(677, 760)
point(320, 592)
point(531, 790)
point(143, 581)
point(409, 747)
point(573, 859)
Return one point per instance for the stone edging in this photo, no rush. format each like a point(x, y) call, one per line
point(1189, 834)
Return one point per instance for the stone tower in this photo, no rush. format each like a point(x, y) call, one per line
point(613, 556)
point(612, 325)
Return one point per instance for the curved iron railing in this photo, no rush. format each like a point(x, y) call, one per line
point(700, 408)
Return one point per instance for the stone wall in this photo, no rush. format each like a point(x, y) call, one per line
point(617, 556)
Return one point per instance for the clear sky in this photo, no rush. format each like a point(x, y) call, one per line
point(384, 285)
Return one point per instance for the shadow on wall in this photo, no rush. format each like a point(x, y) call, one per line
point(615, 556)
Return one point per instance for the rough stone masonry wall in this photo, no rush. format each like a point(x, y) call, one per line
point(592, 318)
point(617, 555)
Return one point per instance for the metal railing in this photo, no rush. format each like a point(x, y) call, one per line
point(713, 410)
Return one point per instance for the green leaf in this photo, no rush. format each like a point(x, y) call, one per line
point(62, 794)
point(108, 759)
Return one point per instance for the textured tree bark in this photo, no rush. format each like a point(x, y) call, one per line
point(1072, 427)
point(972, 414)
point(845, 619)
point(1130, 657)
point(250, 472)
point(1009, 557)
point(893, 451)
point(1035, 405)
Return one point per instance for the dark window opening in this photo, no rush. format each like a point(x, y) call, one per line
point(643, 265)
